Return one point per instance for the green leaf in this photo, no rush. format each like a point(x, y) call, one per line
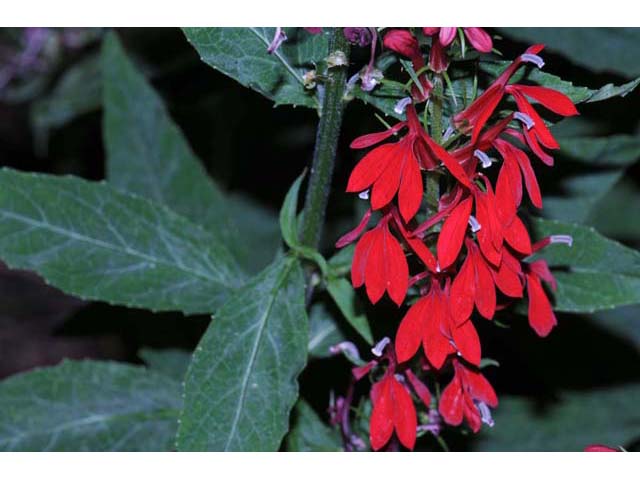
point(93, 241)
point(171, 362)
point(599, 49)
point(241, 53)
point(575, 420)
point(310, 434)
point(613, 150)
point(148, 155)
point(384, 97)
point(610, 215)
point(89, 406)
point(77, 92)
point(241, 384)
point(595, 273)
point(582, 192)
point(323, 331)
point(347, 301)
point(288, 213)
point(610, 90)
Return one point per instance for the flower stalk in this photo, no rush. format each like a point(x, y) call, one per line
point(327, 136)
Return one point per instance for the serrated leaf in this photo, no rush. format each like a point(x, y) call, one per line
point(323, 331)
point(98, 243)
point(596, 273)
point(171, 362)
point(598, 49)
point(610, 90)
point(347, 301)
point(89, 406)
point(288, 213)
point(147, 154)
point(241, 53)
point(575, 420)
point(241, 384)
point(310, 434)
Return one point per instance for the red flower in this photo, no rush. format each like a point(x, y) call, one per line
point(473, 285)
point(468, 397)
point(393, 409)
point(477, 37)
point(476, 115)
point(429, 322)
point(395, 167)
point(379, 264)
point(404, 43)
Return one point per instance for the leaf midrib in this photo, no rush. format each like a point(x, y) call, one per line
point(254, 353)
point(102, 244)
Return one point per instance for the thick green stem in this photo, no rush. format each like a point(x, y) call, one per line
point(326, 144)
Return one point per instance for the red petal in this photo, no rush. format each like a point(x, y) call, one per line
point(381, 422)
point(374, 275)
point(463, 292)
point(403, 42)
point(370, 167)
point(530, 179)
point(471, 414)
point(541, 316)
point(396, 269)
point(468, 343)
point(411, 330)
point(360, 258)
point(386, 185)
point(423, 252)
point(506, 279)
point(410, 194)
point(449, 161)
point(485, 294)
point(451, 402)
point(540, 129)
point(541, 269)
point(447, 34)
point(517, 236)
point(370, 139)
point(480, 39)
point(453, 232)
point(552, 99)
point(436, 344)
point(480, 388)
point(404, 415)
point(490, 228)
point(419, 387)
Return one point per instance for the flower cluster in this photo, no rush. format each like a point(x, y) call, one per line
point(471, 253)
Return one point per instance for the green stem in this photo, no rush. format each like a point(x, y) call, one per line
point(326, 144)
point(436, 109)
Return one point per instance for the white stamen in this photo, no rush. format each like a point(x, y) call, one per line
point(474, 224)
point(364, 195)
point(566, 239)
point(448, 132)
point(402, 105)
point(347, 348)
point(483, 157)
point(524, 118)
point(531, 58)
point(438, 267)
point(485, 413)
point(378, 349)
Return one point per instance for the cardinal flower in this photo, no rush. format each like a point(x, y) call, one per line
point(404, 43)
point(394, 168)
point(429, 322)
point(379, 263)
point(475, 116)
point(393, 410)
point(468, 397)
point(477, 37)
point(442, 37)
point(473, 285)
